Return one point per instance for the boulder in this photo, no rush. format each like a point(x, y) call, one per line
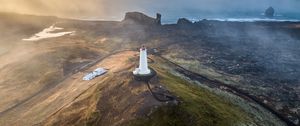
point(140, 18)
point(270, 12)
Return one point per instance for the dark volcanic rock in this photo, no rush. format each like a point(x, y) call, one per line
point(142, 19)
point(270, 12)
point(158, 18)
point(184, 21)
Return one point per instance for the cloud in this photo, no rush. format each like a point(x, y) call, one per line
point(115, 9)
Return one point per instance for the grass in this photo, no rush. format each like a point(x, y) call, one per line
point(199, 107)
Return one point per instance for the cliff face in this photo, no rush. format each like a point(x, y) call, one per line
point(140, 18)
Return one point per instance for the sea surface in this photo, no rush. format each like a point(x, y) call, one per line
point(170, 17)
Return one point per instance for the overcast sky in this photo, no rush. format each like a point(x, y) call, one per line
point(115, 9)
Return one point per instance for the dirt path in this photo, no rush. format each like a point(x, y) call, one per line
point(48, 102)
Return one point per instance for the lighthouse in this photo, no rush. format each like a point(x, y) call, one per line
point(143, 63)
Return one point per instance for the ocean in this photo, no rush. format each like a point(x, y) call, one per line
point(170, 18)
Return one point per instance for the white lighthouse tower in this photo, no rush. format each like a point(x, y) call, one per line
point(143, 66)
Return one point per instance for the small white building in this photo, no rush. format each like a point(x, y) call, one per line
point(97, 72)
point(143, 64)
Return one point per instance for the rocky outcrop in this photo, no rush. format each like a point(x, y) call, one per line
point(184, 21)
point(140, 18)
point(270, 12)
point(158, 19)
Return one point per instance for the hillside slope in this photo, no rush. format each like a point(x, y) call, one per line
point(41, 80)
point(125, 101)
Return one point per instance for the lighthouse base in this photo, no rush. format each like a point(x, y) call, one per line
point(145, 77)
point(137, 71)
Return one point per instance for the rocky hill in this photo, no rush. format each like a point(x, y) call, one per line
point(140, 18)
point(41, 81)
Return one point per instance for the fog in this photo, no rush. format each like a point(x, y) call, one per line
point(115, 9)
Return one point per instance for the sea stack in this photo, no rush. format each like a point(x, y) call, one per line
point(270, 12)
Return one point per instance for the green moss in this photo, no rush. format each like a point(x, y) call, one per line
point(93, 117)
point(166, 116)
point(199, 107)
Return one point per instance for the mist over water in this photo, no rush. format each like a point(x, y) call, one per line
point(233, 16)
